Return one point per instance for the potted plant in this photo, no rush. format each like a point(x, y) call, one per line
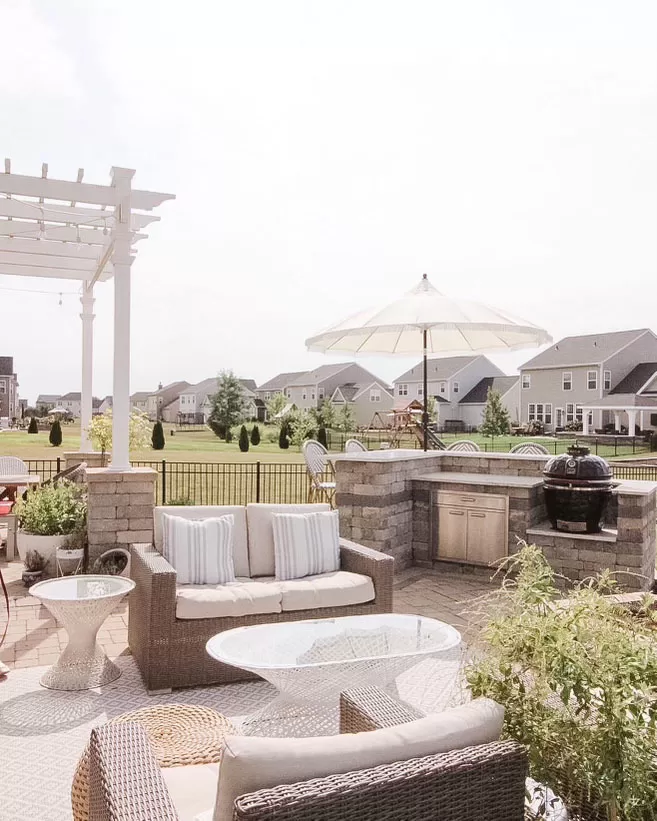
point(48, 516)
point(35, 564)
point(113, 562)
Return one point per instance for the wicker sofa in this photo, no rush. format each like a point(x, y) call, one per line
point(169, 624)
point(486, 780)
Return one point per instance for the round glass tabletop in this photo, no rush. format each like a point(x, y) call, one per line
point(78, 588)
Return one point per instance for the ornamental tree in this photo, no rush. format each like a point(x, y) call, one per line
point(228, 403)
point(55, 437)
point(255, 435)
point(344, 418)
point(157, 437)
point(275, 405)
point(244, 439)
point(100, 431)
point(497, 421)
point(284, 435)
point(33, 427)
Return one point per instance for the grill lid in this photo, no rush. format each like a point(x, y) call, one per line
point(578, 464)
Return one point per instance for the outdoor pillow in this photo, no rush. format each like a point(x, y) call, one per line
point(201, 551)
point(306, 544)
point(251, 763)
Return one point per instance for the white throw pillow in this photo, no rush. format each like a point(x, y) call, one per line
point(201, 551)
point(306, 544)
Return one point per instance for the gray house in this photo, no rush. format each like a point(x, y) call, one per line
point(8, 388)
point(278, 384)
point(473, 403)
point(365, 399)
point(449, 379)
point(572, 380)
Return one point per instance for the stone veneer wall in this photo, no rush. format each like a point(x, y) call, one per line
point(120, 508)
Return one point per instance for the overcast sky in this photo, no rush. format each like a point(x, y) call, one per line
point(324, 155)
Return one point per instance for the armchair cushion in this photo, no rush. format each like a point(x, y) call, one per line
point(196, 512)
point(192, 789)
point(244, 597)
point(261, 534)
point(337, 589)
point(251, 763)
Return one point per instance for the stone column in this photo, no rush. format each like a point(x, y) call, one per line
point(92, 459)
point(120, 508)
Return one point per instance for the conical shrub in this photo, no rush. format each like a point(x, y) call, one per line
point(244, 439)
point(55, 437)
point(157, 437)
point(255, 435)
point(33, 427)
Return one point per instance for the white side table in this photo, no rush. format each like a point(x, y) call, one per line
point(81, 604)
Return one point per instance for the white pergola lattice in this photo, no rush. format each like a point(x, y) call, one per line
point(75, 230)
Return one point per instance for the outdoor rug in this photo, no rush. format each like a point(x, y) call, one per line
point(43, 732)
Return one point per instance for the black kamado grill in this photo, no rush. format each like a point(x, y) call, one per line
point(577, 488)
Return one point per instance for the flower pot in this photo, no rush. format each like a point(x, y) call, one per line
point(31, 577)
point(114, 553)
point(44, 545)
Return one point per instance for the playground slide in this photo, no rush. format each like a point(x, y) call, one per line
point(433, 442)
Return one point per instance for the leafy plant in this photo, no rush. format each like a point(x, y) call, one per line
point(100, 431)
point(157, 437)
point(275, 405)
point(55, 437)
point(344, 418)
point(497, 421)
point(244, 439)
point(111, 565)
point(53, 510)
point(33, 426)
point(34, 561)
point(217, 428)
point(578, 682)
point(301, 425)
point(228, 403)
point(255, 435)
point(325, 414)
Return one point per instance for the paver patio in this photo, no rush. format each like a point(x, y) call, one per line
point(34, 639)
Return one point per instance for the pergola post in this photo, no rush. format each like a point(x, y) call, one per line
point(617, 423)
point(631, 422)
point(585, 421)
point(122, 260)
point(86, 404)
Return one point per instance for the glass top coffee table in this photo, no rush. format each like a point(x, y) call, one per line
point(311, 662)
point(81, 604)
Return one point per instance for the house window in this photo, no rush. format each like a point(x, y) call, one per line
point(312, 394)
point(420, 390)
point(3, 388)
point(402, 390)
point(287, 393)
point(607, 380)
point(540, 412)
point(267, 395)
point(579, 413)
point(531, 412)
point(526, 381)
point(455, 387)
point(375, 395)
point(320, 393)
point(653, 420)
point(589, 418)
point(548, 414)
point(570, 413)
point(443, 387)
point(567, 380)
point(592, 380)
point(304, 394)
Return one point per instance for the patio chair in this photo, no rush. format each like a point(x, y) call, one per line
point(483, 780)
point(354, 446)
point(464, 446)
point(10, 466)
point(317, 464)
point(530, 449)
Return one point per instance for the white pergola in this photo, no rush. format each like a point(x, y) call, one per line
point(634, 405)
point(76, 230)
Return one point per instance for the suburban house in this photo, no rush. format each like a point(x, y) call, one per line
point(139, 401)
point(278, 384)
point(601, 381)
point(8, 389)
point(365, 399)
point(163, 403)
point(106, 404)
point(72, 402)
point(195, 402)
point(473, 404)
point(46, 402)
point(449, 379)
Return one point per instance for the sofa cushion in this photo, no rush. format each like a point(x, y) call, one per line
point(244, 597)
point(338, 589)
point(261, 533)
point(201, 551)
point(193, 789)
point(306, 544)
point(251, 763)
point(240, 541)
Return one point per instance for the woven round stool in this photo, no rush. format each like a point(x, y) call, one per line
point(179, 734)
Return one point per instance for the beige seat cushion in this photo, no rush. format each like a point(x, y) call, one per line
point(240, 540)
point(193, 789)
point(261, 533)
point(338, 589)
point(251, 763)
point(244, 597)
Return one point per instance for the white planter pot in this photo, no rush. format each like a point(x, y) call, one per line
point(126, 570)
point(45, 545)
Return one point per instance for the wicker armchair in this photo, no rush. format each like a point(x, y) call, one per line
point(486, 781)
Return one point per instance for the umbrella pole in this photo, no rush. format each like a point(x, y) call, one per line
point(425, 413)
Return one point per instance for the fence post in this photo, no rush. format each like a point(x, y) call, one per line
point(164, 481)
point(257, 481)
point(634, 444)
point(59, 465)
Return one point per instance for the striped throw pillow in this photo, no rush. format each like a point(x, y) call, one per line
point(306, 544)
point(201, 551)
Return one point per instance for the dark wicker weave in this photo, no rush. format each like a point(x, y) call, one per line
point(476, 783)
point(368, 708)
point(170, 652)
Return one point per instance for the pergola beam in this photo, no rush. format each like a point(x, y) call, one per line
point(57, 233)
point(71, 264)
point(49, 273)
point(92, 217)
point(45, 247)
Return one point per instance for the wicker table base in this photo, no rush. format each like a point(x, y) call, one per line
point(180, 735)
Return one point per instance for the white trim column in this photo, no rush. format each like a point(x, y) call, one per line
point(641, 420)
point(631, 417)
point(585, 421)
point(617, 422)
point(122, 260)
point(86, 398)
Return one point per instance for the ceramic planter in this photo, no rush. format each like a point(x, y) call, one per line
point(31, 577)
point(113, 553)
point(44, 545)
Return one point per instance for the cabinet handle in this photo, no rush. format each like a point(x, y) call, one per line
point(478, 515)
point(456, 513)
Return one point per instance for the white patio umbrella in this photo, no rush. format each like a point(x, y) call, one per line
point(425, 321)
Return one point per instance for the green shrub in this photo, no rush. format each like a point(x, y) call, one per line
point(53, 510)
point(157, 437)
point(321, 437)
point(228, 436)
point(244, 439)
point(255, 435)
point(217, 428)
point(283, 436)
point(33, 427)
point(577, 682)
point(55, 437)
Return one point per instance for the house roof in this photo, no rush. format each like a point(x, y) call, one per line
point(279, 382)
point(47, 398)
point(171, 387)
point(352, 390)
point(636, 378)
point(139, 396)
point(320, 374)
point(249, 384)
point(479, 394)
point(348, 391)
point(202, 389)
point(440, 368)
point(591, 349)
point(622, 401)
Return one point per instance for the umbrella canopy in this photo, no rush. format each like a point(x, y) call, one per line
point(427, 322)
